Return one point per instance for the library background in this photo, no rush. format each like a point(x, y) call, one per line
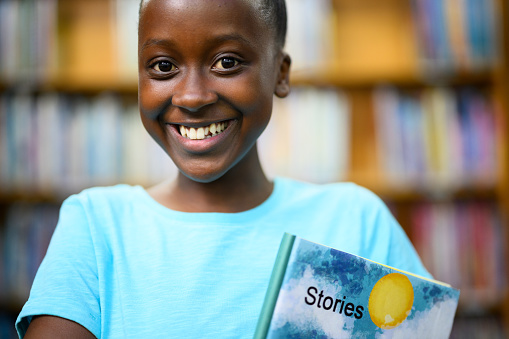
point(409, 98)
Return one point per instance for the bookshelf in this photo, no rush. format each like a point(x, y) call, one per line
point(357, 55)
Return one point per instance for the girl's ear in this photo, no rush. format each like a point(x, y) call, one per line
point(283, 79)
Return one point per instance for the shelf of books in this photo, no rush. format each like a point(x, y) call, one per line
point(409, 98)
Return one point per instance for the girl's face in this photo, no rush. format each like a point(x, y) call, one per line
point(208, 70)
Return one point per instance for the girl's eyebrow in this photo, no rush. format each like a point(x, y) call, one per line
point(232, 37)
point(216, 40)
point(156, 42)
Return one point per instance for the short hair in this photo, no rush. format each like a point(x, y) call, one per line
point(273, 12)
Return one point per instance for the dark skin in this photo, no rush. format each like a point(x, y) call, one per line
point(49, 327)
point(196, 76)
point(203, 62)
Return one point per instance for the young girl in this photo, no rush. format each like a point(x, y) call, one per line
point(191, 258)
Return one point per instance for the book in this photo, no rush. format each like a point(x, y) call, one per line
point(463, 243)
point(442, 137)
point(291, 147)
point(456, 35)
point(319, 292)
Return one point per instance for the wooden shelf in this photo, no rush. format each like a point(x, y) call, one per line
point(424, 190)
point(394, 192)
point(317, 78)
point(331, 77)
point(88, 85)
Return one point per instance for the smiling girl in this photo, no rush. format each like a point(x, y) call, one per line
point(192, 257)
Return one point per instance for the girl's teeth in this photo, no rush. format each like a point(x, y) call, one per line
point(183, 131)
point(202, 132)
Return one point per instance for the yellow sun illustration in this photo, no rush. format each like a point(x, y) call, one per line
point(391, 300)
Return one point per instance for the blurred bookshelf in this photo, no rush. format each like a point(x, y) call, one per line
point(409, 98)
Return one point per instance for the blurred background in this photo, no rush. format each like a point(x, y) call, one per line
point(409, 98)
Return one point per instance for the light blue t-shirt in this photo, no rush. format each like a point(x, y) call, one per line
point(124, 266)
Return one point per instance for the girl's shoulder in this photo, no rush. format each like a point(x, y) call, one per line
point(348, 191)
point(120, 194)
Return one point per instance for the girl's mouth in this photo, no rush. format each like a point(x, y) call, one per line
point(205, 132)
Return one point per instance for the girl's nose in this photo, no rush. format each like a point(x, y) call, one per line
point(193, 92)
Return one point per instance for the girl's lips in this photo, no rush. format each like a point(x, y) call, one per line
point(199, 143)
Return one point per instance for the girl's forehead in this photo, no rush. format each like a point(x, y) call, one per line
point(254, 4)
point(196, 15)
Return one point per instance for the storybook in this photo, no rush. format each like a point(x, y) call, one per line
point(319, 292)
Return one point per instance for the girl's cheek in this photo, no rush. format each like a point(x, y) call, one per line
point(244, 92)
point(152, 100)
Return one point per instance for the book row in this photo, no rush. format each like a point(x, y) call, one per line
point(308, 137)
point(310, 32)
point(56, 143)
point(36, 38)
point(452, 35)
point(440, 136)
point(456, 35)
point(25, 233)
point(28, 40)
point(463, 244)
point(53, 142)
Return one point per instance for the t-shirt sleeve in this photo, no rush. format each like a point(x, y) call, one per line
point(66, 284)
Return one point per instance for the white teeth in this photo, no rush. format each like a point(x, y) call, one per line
point(200, 134)
point(203, 132)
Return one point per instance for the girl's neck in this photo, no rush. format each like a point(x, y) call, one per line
point(242, 188)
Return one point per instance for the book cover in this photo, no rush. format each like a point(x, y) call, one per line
point(319, 292)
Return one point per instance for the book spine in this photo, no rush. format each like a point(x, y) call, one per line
point(462, 243)
point(292, 147)
point(436, 136)
point(57, 144)
point(25, 234)
point(276, 279)
point(456, 35)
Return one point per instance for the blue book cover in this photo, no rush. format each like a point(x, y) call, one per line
point(319, 292)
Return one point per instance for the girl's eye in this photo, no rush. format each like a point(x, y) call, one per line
point(164, 66)
point(226, 63)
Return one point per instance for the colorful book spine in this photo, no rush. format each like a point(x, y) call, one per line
point(432, 137)
point(463, 243)
point(58, 144)
point(437, 137)
point(25, 233)
point(316, 150)
point(309, 33)
point(28, 40)
point(456, 35)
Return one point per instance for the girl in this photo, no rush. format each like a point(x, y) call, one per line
point(192, 257)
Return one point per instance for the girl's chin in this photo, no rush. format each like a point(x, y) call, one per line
point(204, 176)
